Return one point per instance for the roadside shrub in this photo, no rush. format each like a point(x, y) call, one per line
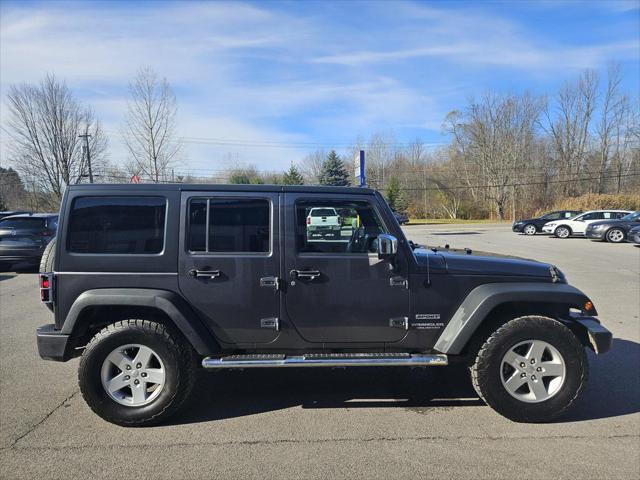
point(593, 201)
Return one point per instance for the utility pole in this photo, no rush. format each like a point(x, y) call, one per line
point(86, 139)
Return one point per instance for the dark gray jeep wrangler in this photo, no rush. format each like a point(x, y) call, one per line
point(149, 283)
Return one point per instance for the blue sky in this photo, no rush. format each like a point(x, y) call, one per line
point(302, 75)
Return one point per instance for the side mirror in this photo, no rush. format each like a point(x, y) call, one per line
point(387, 246)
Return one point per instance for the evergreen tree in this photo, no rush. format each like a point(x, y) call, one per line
point(395, 196)
point(292, 177)
point(334, 172)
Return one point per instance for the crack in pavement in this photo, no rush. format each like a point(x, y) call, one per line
point(40, 422)
point(321, 441)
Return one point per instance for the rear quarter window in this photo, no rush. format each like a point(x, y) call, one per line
point(117, 225)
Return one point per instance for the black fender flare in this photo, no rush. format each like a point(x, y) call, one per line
point(484, 298)
point(170, 303)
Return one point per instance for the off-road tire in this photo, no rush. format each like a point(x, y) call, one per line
point(46, 261)
point(178, 357)
point(485, 372)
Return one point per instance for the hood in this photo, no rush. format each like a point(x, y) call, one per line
point(527, 220)
point(484, 263)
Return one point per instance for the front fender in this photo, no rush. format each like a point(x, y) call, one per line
point(484, 298)
point(170, 303)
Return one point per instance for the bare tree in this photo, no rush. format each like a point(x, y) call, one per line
point(44, 123)
point(149, 130)
point(570, 127)
point(311, 166)
point(495, 137)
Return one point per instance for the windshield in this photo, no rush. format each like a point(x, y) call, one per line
point(631, 217)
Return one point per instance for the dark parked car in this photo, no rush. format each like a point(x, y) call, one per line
point(401, 217)
point(8, 214)
point(614, 231)
point(531, 226)
point(150, 283)
point(23, 238)
point(634, 235)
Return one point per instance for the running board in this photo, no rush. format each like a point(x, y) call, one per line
point(327, 360)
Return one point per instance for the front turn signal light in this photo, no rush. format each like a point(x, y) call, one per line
point(588, 306)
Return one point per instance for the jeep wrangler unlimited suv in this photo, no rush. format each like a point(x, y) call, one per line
point(149, 283)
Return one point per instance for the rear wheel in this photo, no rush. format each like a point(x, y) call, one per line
point(615, 235)
point(531, 369)
point(136, 373)
point(529, 229)
point(562, 232)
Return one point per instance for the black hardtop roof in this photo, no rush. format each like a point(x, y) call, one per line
point(214, 187)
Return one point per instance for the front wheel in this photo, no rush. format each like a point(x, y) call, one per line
point(136, 373)
point(562, 232)
point(615, 235)
point(529, 229)
point(532, 369)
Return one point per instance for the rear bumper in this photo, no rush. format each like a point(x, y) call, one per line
point(591, 333)
point(52, 345)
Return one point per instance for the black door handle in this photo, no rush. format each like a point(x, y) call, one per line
point(304, 274)
point(204, 273)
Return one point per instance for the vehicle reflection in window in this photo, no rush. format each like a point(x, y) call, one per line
point(336, 227)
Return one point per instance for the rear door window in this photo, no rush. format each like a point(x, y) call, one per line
point(117, 225)
point(229, 225)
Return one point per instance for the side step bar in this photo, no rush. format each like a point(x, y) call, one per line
point(327, 360)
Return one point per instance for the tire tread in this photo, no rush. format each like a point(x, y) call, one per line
point(187, 376)
point(483, 357)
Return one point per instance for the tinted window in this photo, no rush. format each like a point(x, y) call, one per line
point(232, 225)
point(592, 216)
point(26, 223)
point(356, 231)
point(632, 217)
point(553, 216)
point(117, 225)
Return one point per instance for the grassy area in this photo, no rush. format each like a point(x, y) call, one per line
point(449, 221)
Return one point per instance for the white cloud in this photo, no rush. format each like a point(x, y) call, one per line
point(275, 74)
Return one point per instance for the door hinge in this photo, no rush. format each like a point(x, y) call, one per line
point(271, 323)
point(399, 322)
point(273, 282)
point(399, 282)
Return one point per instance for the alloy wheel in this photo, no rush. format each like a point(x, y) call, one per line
point(562, 232)
point(133, 375)
point(532, 371)
point(615, 235)
point(530, 229)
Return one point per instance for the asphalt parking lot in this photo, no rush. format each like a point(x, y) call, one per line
point(353, 423)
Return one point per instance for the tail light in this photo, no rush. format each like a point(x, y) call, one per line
point(308, 220)
point(46, 287)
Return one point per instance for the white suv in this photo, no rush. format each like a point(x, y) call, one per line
point(578, 224)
